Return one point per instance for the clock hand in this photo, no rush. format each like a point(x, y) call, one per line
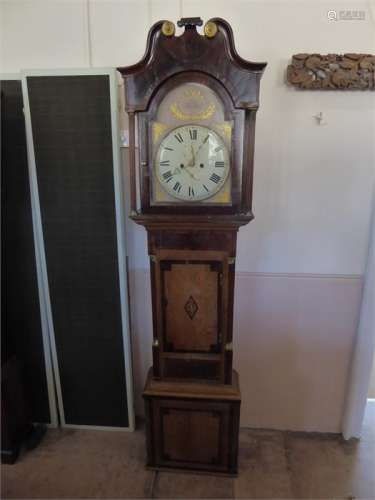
point(201, 146)
point(191, 163)
point(191, 174)
point(193, 154)
point(188, 172)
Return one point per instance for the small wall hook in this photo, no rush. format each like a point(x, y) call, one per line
point(319, 118)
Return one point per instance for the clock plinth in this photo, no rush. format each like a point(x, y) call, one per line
point(192, 426)
point(194, 102)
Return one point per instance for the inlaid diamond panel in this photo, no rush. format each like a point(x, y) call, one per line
point(191, 307)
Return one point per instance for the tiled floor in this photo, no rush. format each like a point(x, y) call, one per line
point(273, 464)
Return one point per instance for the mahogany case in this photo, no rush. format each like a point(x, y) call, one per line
point(192, 397)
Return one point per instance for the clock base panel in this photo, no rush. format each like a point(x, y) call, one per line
point(192, 426)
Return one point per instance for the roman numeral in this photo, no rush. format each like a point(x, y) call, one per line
point(177, 187)
point(206, 188)
point(219, 164)
point(193, 134)
point(215, 178)
point(219, 148)
point(191, 191)
point(164, 163)
point(179, 137)
point(167, 176)
point(169, 149)
point(206, 139)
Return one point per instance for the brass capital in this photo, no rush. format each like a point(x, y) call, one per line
point(168, 28)
point(210, 29)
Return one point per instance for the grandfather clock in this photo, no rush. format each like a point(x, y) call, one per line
point(193, 100)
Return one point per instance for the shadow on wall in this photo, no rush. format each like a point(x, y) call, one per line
point(371, 391)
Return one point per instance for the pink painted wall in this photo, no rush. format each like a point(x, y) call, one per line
point(293, 338)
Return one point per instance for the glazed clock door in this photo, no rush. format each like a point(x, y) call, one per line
point(191, 146)
point(188, 152)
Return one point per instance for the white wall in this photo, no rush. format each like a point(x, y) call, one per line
point(312, 189)
point(312, 183)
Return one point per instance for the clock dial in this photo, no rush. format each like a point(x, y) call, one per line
point(192, 163)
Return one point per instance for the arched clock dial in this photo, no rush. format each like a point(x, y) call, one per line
point(192, 163)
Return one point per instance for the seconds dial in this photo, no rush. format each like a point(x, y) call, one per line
point(192, 163)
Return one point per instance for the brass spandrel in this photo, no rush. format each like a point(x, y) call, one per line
point(225, 129)
point(158, 129)
point(205, 114)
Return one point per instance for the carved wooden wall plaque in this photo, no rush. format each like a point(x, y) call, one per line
point(332, 71)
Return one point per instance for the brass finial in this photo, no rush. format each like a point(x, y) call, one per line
point(168, 28)
point(210, 29)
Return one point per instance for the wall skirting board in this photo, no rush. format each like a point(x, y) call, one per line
point(293, 341)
